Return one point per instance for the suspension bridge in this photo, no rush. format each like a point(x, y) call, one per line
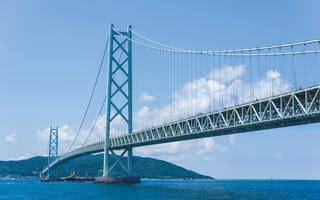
point(158, 93)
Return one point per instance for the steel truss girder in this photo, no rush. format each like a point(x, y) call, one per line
point(299, 107)
point(294, 108)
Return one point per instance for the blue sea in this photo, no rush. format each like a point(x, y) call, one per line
point(163, 189)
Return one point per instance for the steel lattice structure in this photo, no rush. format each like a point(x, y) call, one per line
point(53, 147)
point(294, 108)
point(119, 95)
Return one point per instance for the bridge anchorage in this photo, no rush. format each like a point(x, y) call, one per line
point(119, 103)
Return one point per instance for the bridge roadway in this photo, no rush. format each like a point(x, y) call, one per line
point(289, 109)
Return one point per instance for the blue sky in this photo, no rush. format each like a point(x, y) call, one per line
point(50, 52)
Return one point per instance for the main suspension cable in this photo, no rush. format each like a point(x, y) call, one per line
point(235, 52)
point(95, 122)
point(91, 96)
point(292, 44)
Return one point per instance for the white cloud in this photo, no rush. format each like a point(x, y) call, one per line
point(10, 138)
point(66, 133)
point(227, 73)
point(146, 97)
point(271, 85)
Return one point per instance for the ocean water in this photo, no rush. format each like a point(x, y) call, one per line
point(163, 189)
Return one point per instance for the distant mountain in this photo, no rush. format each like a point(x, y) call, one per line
point(91, 165)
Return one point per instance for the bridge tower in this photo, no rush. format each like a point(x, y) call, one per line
point(119, 100)
point(53, 146)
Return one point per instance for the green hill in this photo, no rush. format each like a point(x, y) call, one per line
point(91, 165)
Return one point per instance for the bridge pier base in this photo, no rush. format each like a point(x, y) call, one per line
point(119, 180)
point(128, 177)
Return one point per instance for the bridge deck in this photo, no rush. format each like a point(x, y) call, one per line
point(294, 108)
